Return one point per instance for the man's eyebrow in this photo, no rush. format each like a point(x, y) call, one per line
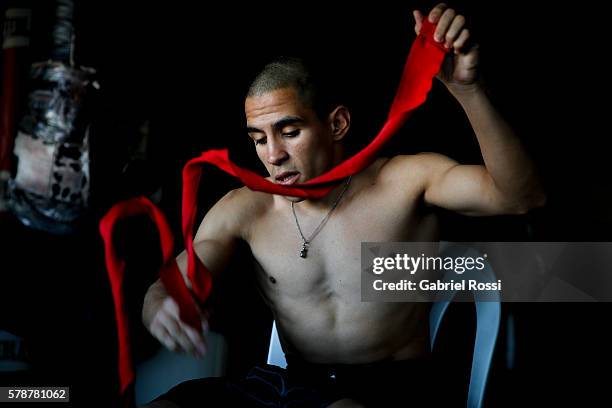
point(281, 123)
point(250, 129)
point(286, 121)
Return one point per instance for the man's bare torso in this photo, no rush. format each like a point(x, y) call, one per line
point(316, 301)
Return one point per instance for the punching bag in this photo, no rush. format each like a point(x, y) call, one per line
point(50, 188)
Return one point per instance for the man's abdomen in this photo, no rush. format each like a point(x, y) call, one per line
point(333, 331)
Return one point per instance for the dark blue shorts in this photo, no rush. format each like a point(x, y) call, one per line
point(307, 385)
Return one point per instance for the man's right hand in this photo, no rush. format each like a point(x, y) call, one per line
point(160, 315)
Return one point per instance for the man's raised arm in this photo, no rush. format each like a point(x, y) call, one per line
point(508, 182)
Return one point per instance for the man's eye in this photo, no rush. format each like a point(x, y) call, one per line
point(261, 141)
point(292, 134)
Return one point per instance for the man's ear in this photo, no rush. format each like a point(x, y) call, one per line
point(339, 121)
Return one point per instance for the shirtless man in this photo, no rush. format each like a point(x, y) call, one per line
point(316, 299)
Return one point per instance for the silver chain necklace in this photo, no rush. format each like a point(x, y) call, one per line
point(306, 242)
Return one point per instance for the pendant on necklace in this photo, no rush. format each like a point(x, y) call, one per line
point(304, 251)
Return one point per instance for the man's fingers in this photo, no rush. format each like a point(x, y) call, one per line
point(184, 341)
point(164, 337)
point(443, 24)
point(436, 12)
point(177, 333)
point(168, 343)
point(453, 31)
point(418, 20)
point(197, 339)
point(179, 337)
point(171, 307)
point(461, 40)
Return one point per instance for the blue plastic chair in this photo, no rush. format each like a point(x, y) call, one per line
point(165, 369)
point(488, 316)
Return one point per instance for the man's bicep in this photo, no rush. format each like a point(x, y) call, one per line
point(466, 189)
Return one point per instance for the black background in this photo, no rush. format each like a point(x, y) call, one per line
point(184, 68)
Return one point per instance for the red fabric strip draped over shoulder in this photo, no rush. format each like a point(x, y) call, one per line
point(422, 64)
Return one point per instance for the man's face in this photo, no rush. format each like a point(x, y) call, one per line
point(291, 141)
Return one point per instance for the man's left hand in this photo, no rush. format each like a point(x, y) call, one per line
point(460, 68)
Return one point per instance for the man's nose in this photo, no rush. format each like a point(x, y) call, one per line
point(277, 153)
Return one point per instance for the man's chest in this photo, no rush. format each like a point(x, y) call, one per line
point(333, 259)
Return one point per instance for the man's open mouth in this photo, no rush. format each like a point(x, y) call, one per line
point(287, 177)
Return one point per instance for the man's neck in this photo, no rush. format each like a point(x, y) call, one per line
point(327, 202)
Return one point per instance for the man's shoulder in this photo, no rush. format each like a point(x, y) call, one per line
point(244, 201)
point(235, 211)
